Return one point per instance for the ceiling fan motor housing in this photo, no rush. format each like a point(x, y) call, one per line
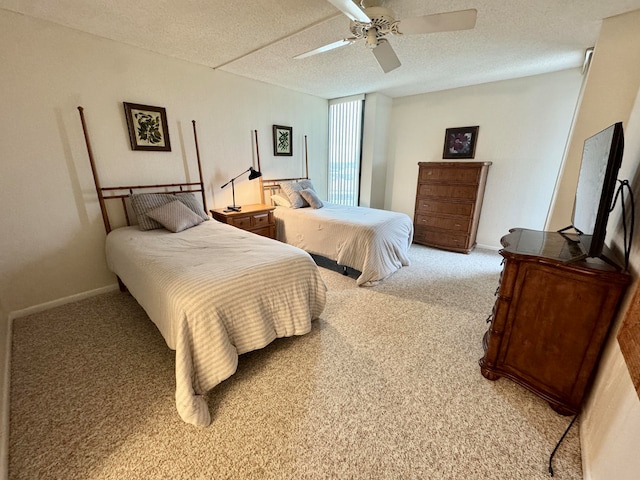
point(382, 19)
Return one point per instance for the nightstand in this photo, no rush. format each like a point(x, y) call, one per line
point(256, 218)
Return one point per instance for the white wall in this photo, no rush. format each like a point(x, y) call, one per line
point(55, 248)
point(375, 135)
point(524, 125)
point(611, 86)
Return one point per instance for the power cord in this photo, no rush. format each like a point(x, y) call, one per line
point(558, 445)
point(627, 238)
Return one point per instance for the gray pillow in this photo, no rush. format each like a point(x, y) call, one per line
point(175, 216)
point(143, 202)
point(311, 197)
point(292, 191)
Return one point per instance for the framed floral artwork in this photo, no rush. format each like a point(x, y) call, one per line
point(282, 141)
point(147, 127)
point(460, 142)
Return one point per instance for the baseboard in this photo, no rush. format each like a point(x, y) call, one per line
point(61, 301)
point(6, 373)
point(487, 247)
point(586, 472)
point(4, 403)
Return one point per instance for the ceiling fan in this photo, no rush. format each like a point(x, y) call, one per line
point(371, 22)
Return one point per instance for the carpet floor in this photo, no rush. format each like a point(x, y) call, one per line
point(385, 386)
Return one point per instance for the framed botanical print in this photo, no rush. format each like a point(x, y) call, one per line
point(282, 140)
point(460, 142)
point(147, 127)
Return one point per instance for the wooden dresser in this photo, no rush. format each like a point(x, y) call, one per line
point(551, 317)
point(448, 203)
point(256, 218)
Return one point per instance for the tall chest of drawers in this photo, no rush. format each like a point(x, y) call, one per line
point(448, 203)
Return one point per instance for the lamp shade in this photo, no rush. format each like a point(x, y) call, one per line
point(253, 174)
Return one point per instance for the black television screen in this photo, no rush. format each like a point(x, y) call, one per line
point(601, 159)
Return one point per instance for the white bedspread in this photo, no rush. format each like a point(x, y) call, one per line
point(214, 292)
point(374, 242)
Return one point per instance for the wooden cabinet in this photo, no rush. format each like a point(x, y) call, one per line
point(448, 203)
point(551, 318)
point(256, 218)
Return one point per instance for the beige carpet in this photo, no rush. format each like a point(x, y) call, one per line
point(386, 386)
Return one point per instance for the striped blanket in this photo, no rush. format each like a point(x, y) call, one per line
point(374, 242)
point(215, 292)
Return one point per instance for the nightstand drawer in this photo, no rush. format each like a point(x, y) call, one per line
point(267, 231)
point(261, 220)
point(256, 218)
point(241, 222)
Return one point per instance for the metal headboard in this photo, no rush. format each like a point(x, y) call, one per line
point(273, 185)
point(123, 192)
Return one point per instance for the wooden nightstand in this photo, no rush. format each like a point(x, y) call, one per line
point(256, 218)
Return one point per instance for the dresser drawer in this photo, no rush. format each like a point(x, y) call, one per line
point(450, 175)
point(441, 239)
point(429, 205)
point(455, 223)
point(464, 192)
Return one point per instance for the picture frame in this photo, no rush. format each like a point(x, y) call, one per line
point(282, 141)
point(460, 142)
point(148, 129)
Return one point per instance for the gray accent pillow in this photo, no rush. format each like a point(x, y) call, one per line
point(175, 216)
point(143, 202)
point(311, 197)
point(292, 191)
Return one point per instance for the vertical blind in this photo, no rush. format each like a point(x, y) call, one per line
point(345, 144)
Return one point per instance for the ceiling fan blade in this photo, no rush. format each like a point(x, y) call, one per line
point(440, 22)
point(351, 10)
point(385, 56)
point(326, 48)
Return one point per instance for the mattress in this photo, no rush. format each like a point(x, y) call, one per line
point(375, 242)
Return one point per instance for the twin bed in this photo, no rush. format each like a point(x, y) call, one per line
point(215, 291)
point(372, 241)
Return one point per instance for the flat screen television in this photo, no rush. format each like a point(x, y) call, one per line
point(601, 159)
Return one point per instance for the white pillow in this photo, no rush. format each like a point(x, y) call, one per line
point(280, 200)
point(175, 216)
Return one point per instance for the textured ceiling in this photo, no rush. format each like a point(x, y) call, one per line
point(259, 38)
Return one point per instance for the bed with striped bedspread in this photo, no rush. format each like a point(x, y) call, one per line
point(215, 292)
point(375, 242)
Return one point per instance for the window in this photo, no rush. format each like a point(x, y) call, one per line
point(345, 146)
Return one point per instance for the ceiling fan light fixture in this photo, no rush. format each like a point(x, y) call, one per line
point(372, 37)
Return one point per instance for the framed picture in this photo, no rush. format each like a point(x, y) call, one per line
point(282, 140)
point(147, 127)
point(460, 142)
